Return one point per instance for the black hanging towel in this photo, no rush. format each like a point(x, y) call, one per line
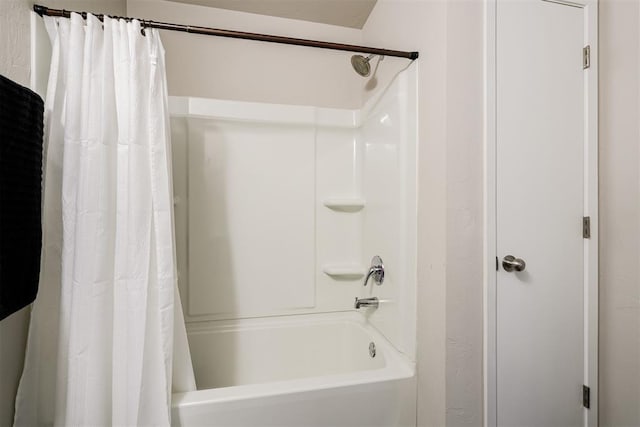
point(21, 128)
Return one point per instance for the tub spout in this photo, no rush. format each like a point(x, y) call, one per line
point(366, 302)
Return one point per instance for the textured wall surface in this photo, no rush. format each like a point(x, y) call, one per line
point(619, 362)
point(247, 70)
point(464, 212)
point(14, 40)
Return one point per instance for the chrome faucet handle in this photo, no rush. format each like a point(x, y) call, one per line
point(376, 271)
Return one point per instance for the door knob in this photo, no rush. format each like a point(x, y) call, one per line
point(511, 263)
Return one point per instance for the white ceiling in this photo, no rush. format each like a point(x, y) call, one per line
point(346, 13)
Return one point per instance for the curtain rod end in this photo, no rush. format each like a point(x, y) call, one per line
point(414, 55)
point(40, 10)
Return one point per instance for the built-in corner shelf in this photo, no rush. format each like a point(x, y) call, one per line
point(345, 204)
point(343, 271)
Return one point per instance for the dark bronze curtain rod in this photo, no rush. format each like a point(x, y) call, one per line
point(43, 10)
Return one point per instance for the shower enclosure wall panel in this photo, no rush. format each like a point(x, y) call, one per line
point(254, 234)
point(180, 162)
point(338, 228)
point(251, 217)
point(388, 134)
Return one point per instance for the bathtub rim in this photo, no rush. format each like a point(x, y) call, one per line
point(397, 365)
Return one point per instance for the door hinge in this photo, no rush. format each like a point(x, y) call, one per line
point(586, 57)
point(586, 227)
point(586, 396)
point(496, 263)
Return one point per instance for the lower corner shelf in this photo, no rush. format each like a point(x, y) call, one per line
point(343, 271)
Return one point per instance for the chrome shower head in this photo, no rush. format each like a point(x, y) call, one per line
point(361, 64)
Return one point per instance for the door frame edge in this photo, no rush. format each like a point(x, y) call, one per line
point(591, 206)
point(489, 208)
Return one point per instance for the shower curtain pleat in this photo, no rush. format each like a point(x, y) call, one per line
point(100, 347)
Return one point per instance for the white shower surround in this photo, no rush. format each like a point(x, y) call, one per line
point(361, 194)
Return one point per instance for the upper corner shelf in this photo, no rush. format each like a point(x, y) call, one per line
point(348, 204)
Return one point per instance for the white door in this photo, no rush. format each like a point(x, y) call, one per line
point(540, 169)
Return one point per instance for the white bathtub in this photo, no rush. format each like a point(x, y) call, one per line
point(308, 370)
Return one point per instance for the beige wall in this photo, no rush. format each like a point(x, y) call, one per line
point(244, 70)
point(619, 213)
point(464, 260)
point(14, 64)
point(449, 38)
point(13, 334)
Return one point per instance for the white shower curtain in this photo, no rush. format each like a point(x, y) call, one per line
point(100, 346)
